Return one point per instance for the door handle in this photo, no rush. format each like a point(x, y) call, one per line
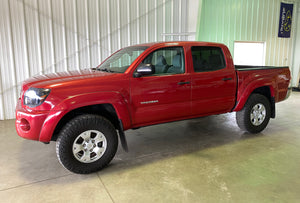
point(184, 83)
point(225, 79)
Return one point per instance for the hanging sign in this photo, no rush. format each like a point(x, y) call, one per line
point(285, 20)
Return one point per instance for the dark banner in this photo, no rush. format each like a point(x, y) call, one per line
point(285, 20)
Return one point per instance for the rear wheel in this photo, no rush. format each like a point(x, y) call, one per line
point(255, 115)
point(86, 144)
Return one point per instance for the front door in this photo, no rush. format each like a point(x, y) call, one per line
point(164, 95)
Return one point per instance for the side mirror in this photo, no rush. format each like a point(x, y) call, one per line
point(143, 70)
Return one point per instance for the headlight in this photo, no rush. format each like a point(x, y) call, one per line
point(35, 96)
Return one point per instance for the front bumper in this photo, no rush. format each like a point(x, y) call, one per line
point(29, 124)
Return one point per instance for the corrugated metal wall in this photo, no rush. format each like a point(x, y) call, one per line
point(38, 37)
point(227, 21)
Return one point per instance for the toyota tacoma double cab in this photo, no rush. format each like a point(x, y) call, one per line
point(87, 111)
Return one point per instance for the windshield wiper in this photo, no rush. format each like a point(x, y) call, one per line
point(106, 70)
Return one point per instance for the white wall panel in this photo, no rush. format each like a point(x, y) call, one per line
point(59, 38)
point(9, 42)
point(46, 36)
point(72, 35)
point(39, 37)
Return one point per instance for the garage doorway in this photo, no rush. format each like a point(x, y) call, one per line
point(249, 53)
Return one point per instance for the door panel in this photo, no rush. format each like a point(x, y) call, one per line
point(213, 83)
point(160, 98)
point(211, 93)
point(165, 95)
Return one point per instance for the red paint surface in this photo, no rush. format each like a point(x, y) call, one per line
point(206, 94)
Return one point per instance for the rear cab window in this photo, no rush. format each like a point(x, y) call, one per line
point(207, 58)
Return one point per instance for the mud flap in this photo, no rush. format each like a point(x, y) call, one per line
point(273, 111)
point(122, 136)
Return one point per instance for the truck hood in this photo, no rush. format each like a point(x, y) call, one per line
point(58, 79)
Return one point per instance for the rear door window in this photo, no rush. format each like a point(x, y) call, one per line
point(207, 58)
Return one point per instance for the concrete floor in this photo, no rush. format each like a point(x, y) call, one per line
point(202, 160)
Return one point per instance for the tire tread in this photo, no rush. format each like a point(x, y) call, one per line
point(242, 117)
point(70, 131)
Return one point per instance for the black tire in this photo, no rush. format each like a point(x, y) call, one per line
point(92, 134)
point(251, 108)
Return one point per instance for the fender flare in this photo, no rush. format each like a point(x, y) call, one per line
point(243, 96)
point(119, 103)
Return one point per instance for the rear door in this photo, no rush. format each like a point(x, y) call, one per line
point(213, 82)
point(165, 95)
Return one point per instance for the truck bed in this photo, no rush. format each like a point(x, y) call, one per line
point(244, 67)
point(275, 78)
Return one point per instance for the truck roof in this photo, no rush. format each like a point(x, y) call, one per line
point(180, 43)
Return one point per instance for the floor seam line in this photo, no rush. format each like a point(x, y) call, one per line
point(33, 183)
point(106, 188)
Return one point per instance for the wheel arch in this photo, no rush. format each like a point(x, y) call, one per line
point(267, 91)
point(106, 110)
point(111, 105)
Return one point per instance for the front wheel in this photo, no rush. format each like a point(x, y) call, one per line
point(86, 144)
point(255, 115)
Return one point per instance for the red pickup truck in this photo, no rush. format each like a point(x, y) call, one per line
point(86, 112)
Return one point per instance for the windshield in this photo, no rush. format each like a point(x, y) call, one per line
point(121, 60)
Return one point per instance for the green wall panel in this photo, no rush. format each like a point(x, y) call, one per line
point(226, 21)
